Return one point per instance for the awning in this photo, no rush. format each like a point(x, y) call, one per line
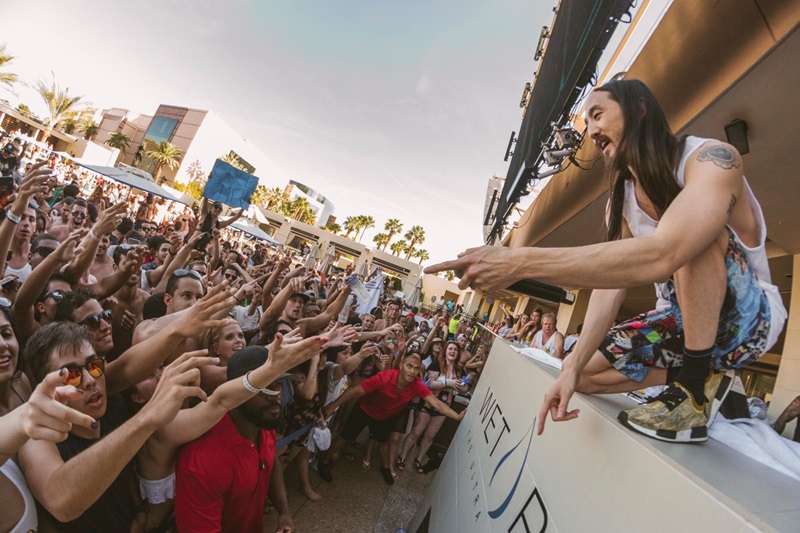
point(127, 178)
point(251, 229)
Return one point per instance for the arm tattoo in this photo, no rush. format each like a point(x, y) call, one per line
point(732, 204)
point(722, 156)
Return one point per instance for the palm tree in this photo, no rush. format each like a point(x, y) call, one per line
point(60, 104)
point(381, 239)
point(195, 171)
point(333, 227)
point(300, 208)
point(367, 222)
point(276, 200)
point(416, 235)
point(350, 225)
point(398, 247)
point(6, 78)
point(393, 226)
point(89, 129)
point(118, 140)
point(232, 159)
point(163, 153)
point(422, 255)
point(69, 125)
point(449, 275)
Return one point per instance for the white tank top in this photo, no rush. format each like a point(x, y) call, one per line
point(548, 348)
point(642, 225)
point(29, 520)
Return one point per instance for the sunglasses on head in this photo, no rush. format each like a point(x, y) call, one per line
point(182, 273)
point(95, 365)
point(93, 321)
point(44, 251)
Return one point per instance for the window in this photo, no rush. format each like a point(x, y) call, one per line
point(161, 129)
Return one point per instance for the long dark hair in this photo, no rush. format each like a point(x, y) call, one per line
point(648, 148)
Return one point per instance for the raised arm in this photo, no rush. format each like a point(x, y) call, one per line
point(36, 283)
point(225, 223)
point(68, 489)
point(106, 222)
point(141, 360)
point(317, 323)
point(178, 261)
point(273, 312)
point(32, 183)
point(190, 424)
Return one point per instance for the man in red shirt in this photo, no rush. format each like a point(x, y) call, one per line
point(380, 398)
point(224, 477)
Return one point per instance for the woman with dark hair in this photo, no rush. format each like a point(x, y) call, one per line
point(444, 380)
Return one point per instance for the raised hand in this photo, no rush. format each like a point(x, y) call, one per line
point(45, 416)
point(340, 335)
point(179, 381)
point(132, 261)
point(282, 357)
point(292, 337)
point(109, 219)
point(200, 317)
point(68, 249)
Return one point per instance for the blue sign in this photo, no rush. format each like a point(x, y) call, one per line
point(230, 186)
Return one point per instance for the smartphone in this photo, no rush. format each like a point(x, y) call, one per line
point(203, 242)
point(6, 189)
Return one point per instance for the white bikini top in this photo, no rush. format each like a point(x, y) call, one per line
point(29, 521)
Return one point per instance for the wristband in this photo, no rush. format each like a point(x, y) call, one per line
point(93, 236)
point(251, 388)
point(12, 217)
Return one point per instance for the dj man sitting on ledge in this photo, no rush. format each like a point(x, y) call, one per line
point(681, 215)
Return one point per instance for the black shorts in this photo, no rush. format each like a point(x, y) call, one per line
point(400, 420)
point(358, 420)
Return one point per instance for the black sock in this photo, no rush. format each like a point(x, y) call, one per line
point(694, 372)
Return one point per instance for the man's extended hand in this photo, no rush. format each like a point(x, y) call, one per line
point(556, 400)
point(180, 380)
point(487, 268)
point(46, 417)
point(200, 317)
point(283, 356)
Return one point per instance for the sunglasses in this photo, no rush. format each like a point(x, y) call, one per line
point(231, 276)
point(44, 251)
point(93, 321)
point(78, 214)
point(182, 273)
point(56, 295)
point(95, 365)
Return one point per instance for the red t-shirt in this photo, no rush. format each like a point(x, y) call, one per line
point(222, 479)
point(382, 401)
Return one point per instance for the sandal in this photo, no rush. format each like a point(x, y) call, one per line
point(394, 475)
point(401, 464)
point(365, 464)
point(418, 466)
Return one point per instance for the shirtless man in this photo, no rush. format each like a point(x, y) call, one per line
point(77, 219)
point(127, 303)
point(102, 265)
point(681, 215)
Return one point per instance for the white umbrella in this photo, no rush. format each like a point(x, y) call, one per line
point(363, 270)
point(313, 255)
point(327, 261)
point(413, 298)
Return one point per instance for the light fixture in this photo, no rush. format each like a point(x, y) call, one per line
point(736, 132)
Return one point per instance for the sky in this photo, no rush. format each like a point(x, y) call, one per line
point(390, 109)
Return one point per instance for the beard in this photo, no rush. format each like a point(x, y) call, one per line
point(263, 419)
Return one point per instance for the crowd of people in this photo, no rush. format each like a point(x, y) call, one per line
point(158, 373)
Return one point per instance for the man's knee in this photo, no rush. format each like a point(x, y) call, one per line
point(588, 385)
